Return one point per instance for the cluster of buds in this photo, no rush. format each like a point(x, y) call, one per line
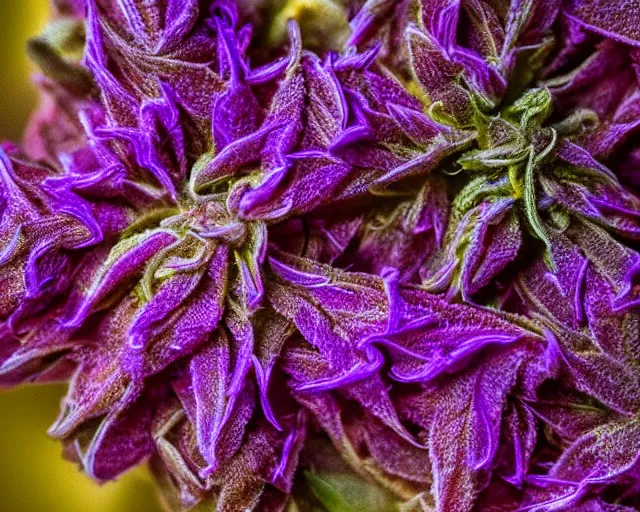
point(335, 255)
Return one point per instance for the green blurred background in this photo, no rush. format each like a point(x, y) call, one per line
point(33, 476)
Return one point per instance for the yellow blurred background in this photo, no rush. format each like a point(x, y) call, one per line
point(33, 476)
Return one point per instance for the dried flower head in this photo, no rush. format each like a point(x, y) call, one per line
point(320, 255)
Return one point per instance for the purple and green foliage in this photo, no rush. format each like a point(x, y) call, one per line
point(333, 255)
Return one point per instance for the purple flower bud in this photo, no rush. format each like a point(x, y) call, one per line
point(394, 270)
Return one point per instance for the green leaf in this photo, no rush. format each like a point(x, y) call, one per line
point(531, 207)
point(328, 494)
